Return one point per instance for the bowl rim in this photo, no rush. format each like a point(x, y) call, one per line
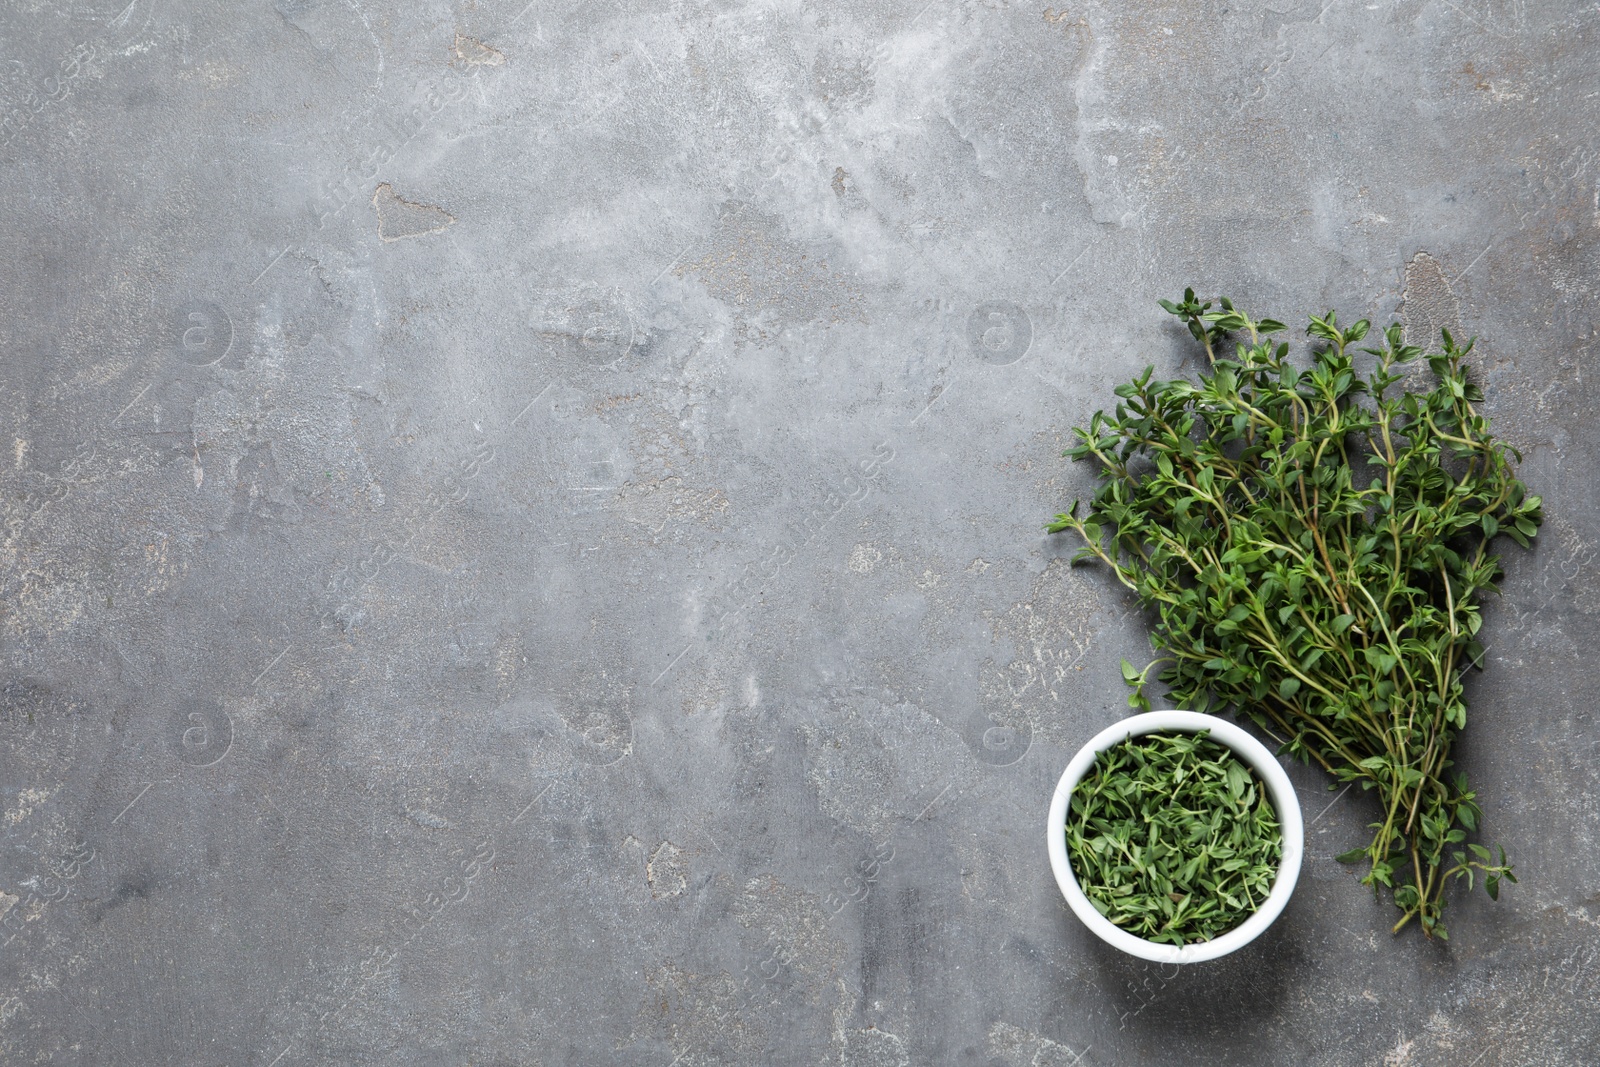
point(1267, 768)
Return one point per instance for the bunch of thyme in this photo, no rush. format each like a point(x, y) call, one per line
point(1172, 838)
point(1314, 548)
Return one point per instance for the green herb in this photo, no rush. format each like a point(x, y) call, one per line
point(1173, 838)
point(1315, 549)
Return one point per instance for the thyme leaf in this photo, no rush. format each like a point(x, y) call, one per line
point(1173, 838)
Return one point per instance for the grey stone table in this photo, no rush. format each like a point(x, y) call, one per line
point(523, 522)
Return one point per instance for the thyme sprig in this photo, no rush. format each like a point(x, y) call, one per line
point(1314, 545)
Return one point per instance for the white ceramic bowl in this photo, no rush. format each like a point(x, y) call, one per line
point(1248, 749)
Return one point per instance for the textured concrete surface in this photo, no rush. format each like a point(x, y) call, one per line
point(522, 521)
